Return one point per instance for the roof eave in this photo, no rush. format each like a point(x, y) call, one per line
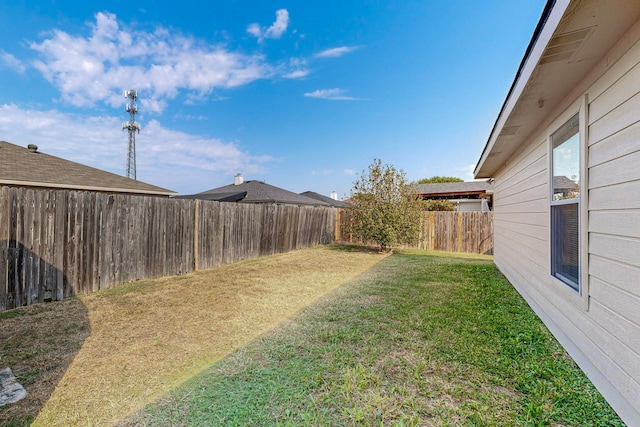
point(547, 25)
point(454, 193)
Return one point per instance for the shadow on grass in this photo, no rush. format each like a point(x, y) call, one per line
point(423, 340)
point(38, 342)
point(343, 247)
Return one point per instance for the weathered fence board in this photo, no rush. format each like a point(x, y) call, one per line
point(470, 232)
point(59, 243)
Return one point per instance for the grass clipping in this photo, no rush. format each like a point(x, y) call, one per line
point(148, 337)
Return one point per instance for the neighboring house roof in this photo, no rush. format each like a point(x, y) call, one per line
point(260, 192)
point(28, 167)
point(569, 42)
point(562, 182)
point(232, 196)
point(454, 188)
point(329, 200)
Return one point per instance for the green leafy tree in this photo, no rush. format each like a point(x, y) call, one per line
point(438, 205)
point(438, 180)
point(386, 207)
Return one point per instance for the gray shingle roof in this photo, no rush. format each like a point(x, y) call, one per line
point(454, 187)
point(234, 196)
point(563, 182)
point(260, 192)
point(21, 167)
point(329, 200)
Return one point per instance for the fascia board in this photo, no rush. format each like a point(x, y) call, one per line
point(523, 76)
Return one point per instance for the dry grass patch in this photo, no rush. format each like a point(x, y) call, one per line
point(421, 339)
point(148, 337)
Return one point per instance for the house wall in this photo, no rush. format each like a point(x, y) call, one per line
point(601, 328)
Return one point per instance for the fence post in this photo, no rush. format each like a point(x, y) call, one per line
point(196, 232)
point(459, 246)
point(432, 233)
point(338, 231)
point(4, 246)
point(423, 231)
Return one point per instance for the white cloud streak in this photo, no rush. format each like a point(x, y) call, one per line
point(335, 94)
point(10, 61)
point(275, 31)
point(92, 69)
point(297, 74)
point(297, 68)
point(175, 160)
point(336, 52)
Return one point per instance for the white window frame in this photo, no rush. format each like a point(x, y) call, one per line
point(580, 109)
point(555, 205)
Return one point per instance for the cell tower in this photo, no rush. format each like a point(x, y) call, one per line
point(132, 126)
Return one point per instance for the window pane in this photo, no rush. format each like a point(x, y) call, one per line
point(565, 244)
point(566, 161)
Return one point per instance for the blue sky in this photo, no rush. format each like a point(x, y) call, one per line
point(301, 95)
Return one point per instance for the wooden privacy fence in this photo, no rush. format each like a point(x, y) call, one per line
point(470, 232)
point(59, 243)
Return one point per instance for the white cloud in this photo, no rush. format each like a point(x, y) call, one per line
point(278, 28)
point(255, 30)
point(175, 160)
point(349, 172)
point(275, 31)
point(336, 52)
point(297, 74)
point(12, 62)
point(189, 117)
point(296, 69)
point(335, 94)
point(159, 64)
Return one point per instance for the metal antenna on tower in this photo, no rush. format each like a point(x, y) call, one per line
point(132, 126)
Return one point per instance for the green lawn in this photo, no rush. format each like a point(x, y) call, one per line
point(419, 339)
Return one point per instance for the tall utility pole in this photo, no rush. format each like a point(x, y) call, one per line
point(132, 126)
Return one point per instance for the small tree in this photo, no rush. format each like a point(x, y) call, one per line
point(386, 207)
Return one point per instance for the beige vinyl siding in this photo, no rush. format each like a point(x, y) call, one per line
point(521, 212)
point(615, 146)
point(603, 337)
point(614, 214)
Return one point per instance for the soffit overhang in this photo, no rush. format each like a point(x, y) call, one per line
point(571, 39)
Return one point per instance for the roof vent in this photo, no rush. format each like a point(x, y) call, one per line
point(563, 46)
point(509, 130)
point(33, 148)
point(238, 179)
